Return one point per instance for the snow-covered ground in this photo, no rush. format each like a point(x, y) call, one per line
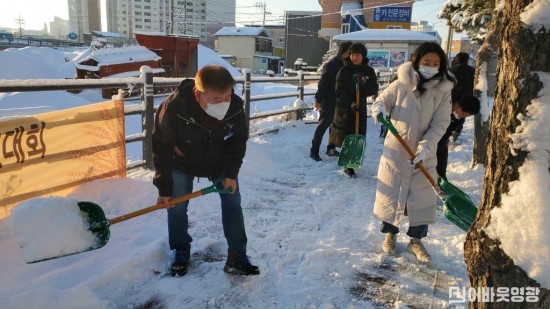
point(310, 230)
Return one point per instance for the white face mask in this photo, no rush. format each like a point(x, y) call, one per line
point(456, 115)
point(428, 72)
point(217, 110)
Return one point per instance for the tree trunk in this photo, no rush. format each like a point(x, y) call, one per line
point(487, 50)
point(520, 51)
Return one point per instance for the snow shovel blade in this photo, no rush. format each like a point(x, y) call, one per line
point(458, 204)
point(99, 225)
point(353, 149)
point(451, 216)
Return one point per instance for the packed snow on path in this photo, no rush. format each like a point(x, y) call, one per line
point(310, 230)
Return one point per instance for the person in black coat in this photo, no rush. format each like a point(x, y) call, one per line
point(464, 107)
point(355, 70)
point(201, 130)
point(325, 101)
point(464, 74)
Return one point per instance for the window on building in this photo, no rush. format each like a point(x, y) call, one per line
point(137, 13)
point(263, 46)
point(147, 20)
point(147, 7)
point(345, 28)
point(394, 27)
point(138, 6)
point(147, 14)
point(138, 26)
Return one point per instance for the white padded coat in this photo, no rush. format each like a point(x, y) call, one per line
point(420, 120)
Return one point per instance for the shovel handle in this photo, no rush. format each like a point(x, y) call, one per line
point(149, 209)
point(355, 79)
point(171, 202)
point(409, 151)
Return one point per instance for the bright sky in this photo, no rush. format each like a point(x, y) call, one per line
point(37, 12)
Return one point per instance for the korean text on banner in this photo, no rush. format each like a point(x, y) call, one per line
point(52, 152)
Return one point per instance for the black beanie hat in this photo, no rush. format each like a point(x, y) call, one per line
point(358, 48)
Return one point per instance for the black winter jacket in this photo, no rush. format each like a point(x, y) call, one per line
point(344, 116)
point(326, 94)
point(464, 80)
point(205, 152)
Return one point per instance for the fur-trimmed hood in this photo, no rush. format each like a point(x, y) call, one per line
point(408, 75)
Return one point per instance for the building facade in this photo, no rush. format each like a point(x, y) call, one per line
point(219, 14)
point(243, 44)
point(166, 16)
point(377, 14)
point(84, 17)
point(302, 39)
point(424, 26)
point(59, 28)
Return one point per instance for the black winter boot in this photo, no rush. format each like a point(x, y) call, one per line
point(238, 264)
point(315, 155)
point(332, 152)
point(350, 172)
point(181, 261)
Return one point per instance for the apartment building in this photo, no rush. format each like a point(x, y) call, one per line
point(84, 17)
point(166, 16)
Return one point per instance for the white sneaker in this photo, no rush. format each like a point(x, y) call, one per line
point(388, 246)
point(417, 248)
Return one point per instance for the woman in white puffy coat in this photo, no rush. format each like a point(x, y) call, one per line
point(419, 104)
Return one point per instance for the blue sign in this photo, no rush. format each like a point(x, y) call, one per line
point(72, 36)
point(393, 14)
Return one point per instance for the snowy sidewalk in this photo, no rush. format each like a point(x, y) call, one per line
point(310, 230)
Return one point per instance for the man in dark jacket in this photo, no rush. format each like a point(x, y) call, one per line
point(464, 107)
point(201, 131)
point(464, 74)
point(325, 101)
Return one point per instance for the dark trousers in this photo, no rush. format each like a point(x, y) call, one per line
point(419, 231)
point(325, 119)
point(232, 215)
point(442, 154)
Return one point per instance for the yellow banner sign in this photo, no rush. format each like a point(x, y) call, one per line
point(48, 153)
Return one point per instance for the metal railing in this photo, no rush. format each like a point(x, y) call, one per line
point(147, 83)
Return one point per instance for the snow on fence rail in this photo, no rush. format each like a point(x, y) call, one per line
point(146, 82)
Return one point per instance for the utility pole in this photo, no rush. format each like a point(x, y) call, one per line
point(449, 41)
point(21, 22)
point(262, 6)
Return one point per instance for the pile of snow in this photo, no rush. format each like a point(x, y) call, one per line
point(51, 227)
point(36, 63)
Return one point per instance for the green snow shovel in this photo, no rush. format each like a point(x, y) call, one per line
point(459, 208)
point(99, 224)
point(353, 147)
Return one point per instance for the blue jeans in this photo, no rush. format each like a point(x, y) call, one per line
point(232, 215)
point(419, 231)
